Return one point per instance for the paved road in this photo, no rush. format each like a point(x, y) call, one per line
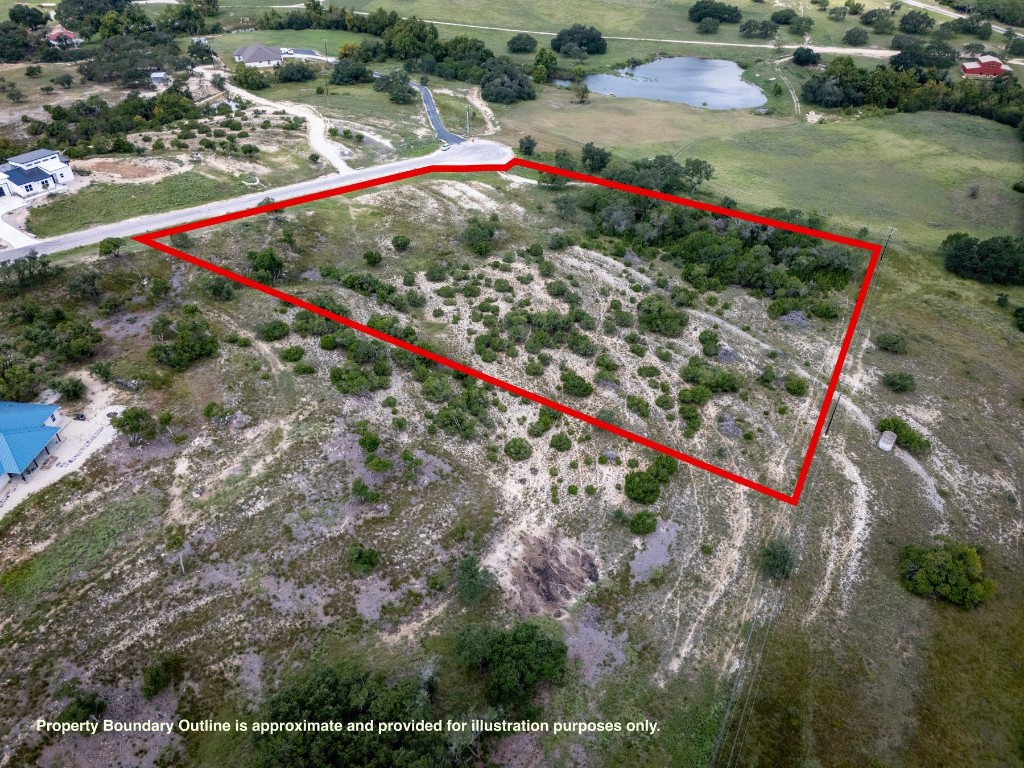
point(953, 14)
point(9, 233)
point(467, 153)
point(435, 119)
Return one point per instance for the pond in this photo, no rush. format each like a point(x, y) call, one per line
point(710, 83)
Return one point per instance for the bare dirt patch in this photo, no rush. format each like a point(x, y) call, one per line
point(132, 170)
point(551, 574)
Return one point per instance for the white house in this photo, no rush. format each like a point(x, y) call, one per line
point(34, 173)
point(258, 55)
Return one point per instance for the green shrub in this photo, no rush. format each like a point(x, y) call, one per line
point(891, 342)
point(400, 242)
point(907, 437)
point(292, 354)
point(709, 342)
point(377, 463)
point(900, 382)
point(560, 442)
point(214, 410)
point(776, 561)
point(949, 571)
point(363, 492)
point(361, 560)
point(166, 670)
point(472, 582)
point(642, 487)
point(513, 663)
point(638, 405)
point(273, 330)
point(575, 385)
point(796, 384)
point(663, 468)
point(83, 707)
point(70, 387)
point(643, 523)
point(518, 449)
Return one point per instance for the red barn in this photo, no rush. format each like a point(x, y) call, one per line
point(985, 66)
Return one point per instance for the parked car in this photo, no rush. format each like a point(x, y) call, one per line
point(79, 416)
point(445, 146)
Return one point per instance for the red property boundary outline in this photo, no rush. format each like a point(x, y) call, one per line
point(150, 239)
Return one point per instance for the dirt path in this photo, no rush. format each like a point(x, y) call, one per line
point(796, 102)
point(316, 126)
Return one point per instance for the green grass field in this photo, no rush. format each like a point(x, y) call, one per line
point(843, 168)
point(224, 45)
point(849, 171)
point(100, 204)
point(617, 18)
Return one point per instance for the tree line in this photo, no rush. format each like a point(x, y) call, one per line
point(916, 80)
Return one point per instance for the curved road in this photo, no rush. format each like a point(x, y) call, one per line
point(432, 115)
point(475, 153)
point(435, 119)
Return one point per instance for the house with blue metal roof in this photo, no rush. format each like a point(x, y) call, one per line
point(34, 173)
point(26, 431)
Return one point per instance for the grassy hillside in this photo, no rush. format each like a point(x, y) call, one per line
point(955, 171)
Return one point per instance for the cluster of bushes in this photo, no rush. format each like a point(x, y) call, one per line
point(92, 126)
point(907, 437)
point(995, 260)
point(416, 44)
point(396, 85)
point(949, 571)
point(644, 486)
point(367, 285)
point(352, 693)
point(367, 367)
point(513, 663)
point(916, 80)
point(706, 379)
point(713, 252)
point(190, 339)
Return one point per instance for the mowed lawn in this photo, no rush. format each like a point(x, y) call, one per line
point(631, 127)
point(226, 44)
point(657, 19)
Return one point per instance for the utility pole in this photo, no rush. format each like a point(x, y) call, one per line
point(888, 237)
point(834, 409)
point(467, 121)
point(327, 76)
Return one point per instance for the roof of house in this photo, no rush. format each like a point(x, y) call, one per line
point(257, 52)
point(35, 154)
point(56, 164)
point(986, 59)
point(22, 434)
point(21, 176)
